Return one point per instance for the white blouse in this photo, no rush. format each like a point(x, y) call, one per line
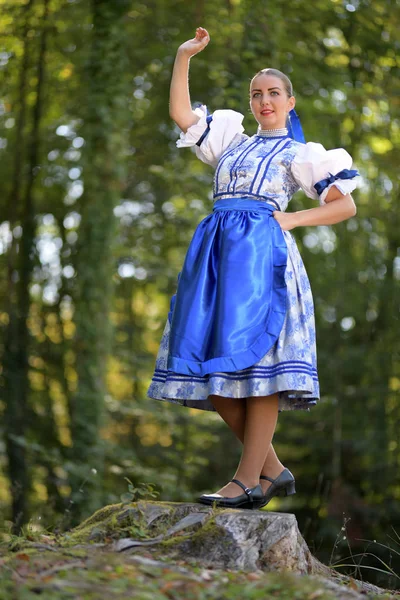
point(308, 163)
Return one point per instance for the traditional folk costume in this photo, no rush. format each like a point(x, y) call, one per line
point(241, 323)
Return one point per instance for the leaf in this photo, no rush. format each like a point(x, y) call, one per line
point(253, 576)
point(126, 498)
point(353, 585)
point(23, 556)
point(316, 594)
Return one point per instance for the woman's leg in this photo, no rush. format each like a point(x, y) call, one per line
point(272, 467)
point(253, 420)
point(233, 412)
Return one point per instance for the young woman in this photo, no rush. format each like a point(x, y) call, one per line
point(240, 335)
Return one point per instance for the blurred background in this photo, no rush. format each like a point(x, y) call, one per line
point(97, 209)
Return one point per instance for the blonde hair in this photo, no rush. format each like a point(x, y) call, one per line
point(276, 73)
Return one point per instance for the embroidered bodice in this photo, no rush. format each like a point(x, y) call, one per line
point(270, 169)
point(257, 167)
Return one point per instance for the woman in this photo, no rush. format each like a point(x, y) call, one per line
point(240, 335)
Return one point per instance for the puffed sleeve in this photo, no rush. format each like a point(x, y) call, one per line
point(212, 134)
point(316, 170)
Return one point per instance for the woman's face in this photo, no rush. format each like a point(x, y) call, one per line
point(269, 101)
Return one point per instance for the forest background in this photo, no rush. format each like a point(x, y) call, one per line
point(97, 209)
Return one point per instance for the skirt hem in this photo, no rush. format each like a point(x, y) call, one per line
point(285, 402)
point(288, 399)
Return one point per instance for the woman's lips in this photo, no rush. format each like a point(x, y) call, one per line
point(267, 112)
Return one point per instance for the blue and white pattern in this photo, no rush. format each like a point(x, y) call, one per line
point(269, 169)
point(257, 168)
point(290, 367)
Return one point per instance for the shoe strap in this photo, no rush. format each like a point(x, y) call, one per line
point(240, 484)
point(266, 477)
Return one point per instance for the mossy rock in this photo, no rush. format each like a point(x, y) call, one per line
point(183, 549)
point(144, 520)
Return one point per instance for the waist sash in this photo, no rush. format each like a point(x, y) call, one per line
point(243, 204)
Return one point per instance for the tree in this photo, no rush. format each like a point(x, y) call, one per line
point(20, 266)
point(105, 132)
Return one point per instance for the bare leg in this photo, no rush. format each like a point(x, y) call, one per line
point(233, 412)
point(253, 420)
point(272, 467)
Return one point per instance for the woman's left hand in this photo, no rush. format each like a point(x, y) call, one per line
point(287, 221)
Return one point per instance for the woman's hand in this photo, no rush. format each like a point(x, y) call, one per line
point(197, 44)
point(287, 221)
point(180, 108)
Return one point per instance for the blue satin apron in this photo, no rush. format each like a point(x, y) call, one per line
point(230, 303)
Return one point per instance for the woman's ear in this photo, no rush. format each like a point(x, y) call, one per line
point(291, 103)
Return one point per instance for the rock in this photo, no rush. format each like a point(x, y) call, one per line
point(188, 522)
point(247, 540)
point(218, 539)
point(221, 538)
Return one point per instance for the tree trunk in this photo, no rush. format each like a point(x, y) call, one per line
point(20, 265)
point(105, 129)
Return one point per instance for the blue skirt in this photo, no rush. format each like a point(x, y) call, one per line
point(233, 314)
point(231, 298)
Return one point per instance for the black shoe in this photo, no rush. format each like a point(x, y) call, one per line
point(283, 485)
point(250, 499)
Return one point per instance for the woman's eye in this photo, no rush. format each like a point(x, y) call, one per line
point(277, 93)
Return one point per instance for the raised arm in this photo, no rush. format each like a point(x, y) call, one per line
point(180, 108)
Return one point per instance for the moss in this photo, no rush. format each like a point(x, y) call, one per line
point(122, 520)
point(101, 515)
point(209, 533)
point(196, 543)
point(97, 528)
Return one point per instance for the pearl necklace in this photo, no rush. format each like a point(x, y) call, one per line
point(272, 132)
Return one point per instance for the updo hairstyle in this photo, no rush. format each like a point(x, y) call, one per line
point(276, 73)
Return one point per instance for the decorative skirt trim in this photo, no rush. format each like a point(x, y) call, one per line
point(296, 390)
point(293, 366)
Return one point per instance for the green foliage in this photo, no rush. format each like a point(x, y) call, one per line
point(144, 491)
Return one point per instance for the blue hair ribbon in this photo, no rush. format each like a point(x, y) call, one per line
point(295, 130)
